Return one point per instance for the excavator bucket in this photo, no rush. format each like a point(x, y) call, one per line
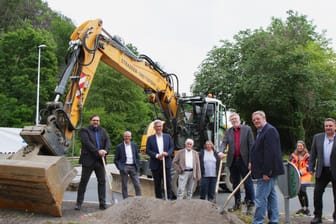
point(35, 184)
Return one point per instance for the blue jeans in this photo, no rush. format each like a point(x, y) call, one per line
point(208, 187)
point(266, 201)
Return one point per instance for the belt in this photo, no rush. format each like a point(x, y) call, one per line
point(188, 170)
point(130, 164)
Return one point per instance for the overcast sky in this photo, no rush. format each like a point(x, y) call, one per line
point(179, 33)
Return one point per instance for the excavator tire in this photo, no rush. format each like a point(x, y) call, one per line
point(35, 184)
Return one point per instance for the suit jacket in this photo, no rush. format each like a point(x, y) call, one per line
point(120, 156)
point(266, 156)
point(89, 153)
point(152, 150)
point(179, 163)
point(246, 142)
point(317, 154)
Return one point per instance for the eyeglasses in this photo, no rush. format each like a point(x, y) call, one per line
point(95, 120)
point(158, 126)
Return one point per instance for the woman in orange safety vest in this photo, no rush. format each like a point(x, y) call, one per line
point(300, 159)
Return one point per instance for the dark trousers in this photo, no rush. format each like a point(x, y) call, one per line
point(303, 197)
point(134, 175)
point(320, 185)
point(208, 188)
point(158, 182)
point(99, 170)
point(238, 170)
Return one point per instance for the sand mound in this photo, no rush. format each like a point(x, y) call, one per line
point(151, 210)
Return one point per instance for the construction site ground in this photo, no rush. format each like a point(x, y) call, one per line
point(147, 209)
point(140, 210)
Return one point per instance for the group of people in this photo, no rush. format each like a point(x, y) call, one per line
point(256, 158)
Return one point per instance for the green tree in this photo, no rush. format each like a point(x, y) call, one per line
point(287, 70)
point(218, 68)
point(18, 72)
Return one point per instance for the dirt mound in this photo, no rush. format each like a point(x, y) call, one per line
point(151, 210)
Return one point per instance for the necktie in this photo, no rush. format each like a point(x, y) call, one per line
point(97, 140)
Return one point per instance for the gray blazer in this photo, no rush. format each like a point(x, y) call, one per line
point(246, 143)
point(316, 153)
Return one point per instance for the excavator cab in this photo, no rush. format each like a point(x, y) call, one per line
point(201, 119)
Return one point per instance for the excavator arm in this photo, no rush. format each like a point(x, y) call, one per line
point(35, 178)
point(90, 44)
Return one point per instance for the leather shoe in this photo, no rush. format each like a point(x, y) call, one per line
point(316, 220)
point(102, 206)
point(78, 207)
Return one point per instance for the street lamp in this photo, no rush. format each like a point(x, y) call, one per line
point(38, 83)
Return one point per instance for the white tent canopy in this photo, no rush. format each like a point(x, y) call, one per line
point(10, 140)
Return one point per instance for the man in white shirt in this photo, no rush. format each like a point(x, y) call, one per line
point(187, 165)
point(160, 146)
point(127, 161)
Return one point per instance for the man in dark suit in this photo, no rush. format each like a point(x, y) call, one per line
point(239, 139)
point(159, 146)
point(266, 165)
point(127, 160)
point(95, 146)
point(323, 150)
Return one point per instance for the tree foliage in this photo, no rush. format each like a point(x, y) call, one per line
point(18, 72)
point(287, 70)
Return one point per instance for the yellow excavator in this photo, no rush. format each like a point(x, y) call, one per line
point(35, 178)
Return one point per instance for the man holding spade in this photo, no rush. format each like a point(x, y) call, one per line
point(160, 148)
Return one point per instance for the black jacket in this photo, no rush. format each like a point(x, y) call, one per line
point(89, 153)
point(316, 158)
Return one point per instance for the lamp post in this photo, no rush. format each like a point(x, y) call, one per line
point(38, 83)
